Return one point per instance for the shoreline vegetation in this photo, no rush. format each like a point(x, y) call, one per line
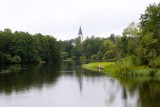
point(21, 47)
point(134, 53)
point(123, 68)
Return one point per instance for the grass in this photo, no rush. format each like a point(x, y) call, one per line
point(93, 66)
point(122, 68)
point(108, 66)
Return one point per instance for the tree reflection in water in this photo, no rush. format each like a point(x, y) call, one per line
point(148, 89)
point(93, 87)
point(24, 77)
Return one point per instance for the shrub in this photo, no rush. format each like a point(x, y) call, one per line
point(16, 59)
point(64, 55)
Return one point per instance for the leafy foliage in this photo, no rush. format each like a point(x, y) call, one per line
point(22, 47)
point(141, 42)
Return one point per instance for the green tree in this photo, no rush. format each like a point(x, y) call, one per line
point(22, 47)
point(78, 49)
point(148, 51)
point(92, 46)
point(112, 37)
point(150, 23)
point(111, 50)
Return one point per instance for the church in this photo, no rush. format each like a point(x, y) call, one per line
point(80, 34)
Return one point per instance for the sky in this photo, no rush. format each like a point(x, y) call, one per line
point(62, 18)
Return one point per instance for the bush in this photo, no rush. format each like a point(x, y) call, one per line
point(36, 59)
point(93, 57)
point(64, 55)
point(16, 59)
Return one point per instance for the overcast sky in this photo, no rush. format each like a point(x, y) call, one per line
point(62, 18)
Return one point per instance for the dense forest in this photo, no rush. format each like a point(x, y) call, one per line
point(140, 42)
point(22, 47)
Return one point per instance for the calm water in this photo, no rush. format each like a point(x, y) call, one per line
point(67, 85)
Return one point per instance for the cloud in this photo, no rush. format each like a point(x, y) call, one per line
point(62, 18)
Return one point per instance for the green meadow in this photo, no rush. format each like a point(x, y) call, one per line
point(122, 68)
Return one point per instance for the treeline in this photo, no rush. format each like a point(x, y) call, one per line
point(140, 42)
point(91, 49)
point(22, 47)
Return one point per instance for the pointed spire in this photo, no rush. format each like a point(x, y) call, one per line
point(80, 31)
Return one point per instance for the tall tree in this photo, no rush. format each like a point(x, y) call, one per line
point(149, 50)
point(150, 22)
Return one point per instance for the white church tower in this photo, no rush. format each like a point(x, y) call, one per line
point(80, 34)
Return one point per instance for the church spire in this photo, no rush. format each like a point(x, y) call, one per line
point(80, 34)
point(80, 31)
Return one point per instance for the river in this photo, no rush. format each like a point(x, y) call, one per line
point(68, 85)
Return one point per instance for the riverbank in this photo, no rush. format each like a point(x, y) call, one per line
point(123, 69)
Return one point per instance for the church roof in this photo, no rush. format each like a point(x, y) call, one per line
point(80, 31)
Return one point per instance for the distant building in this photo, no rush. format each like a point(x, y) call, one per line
point(80, 34)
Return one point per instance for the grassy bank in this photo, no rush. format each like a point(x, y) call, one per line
point(122, 69)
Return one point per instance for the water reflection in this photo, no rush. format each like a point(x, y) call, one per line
point(69, 85)
point(125, 91)
point(73, 69)
point(23, 77)
point(148, 89)
point(10, 68)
